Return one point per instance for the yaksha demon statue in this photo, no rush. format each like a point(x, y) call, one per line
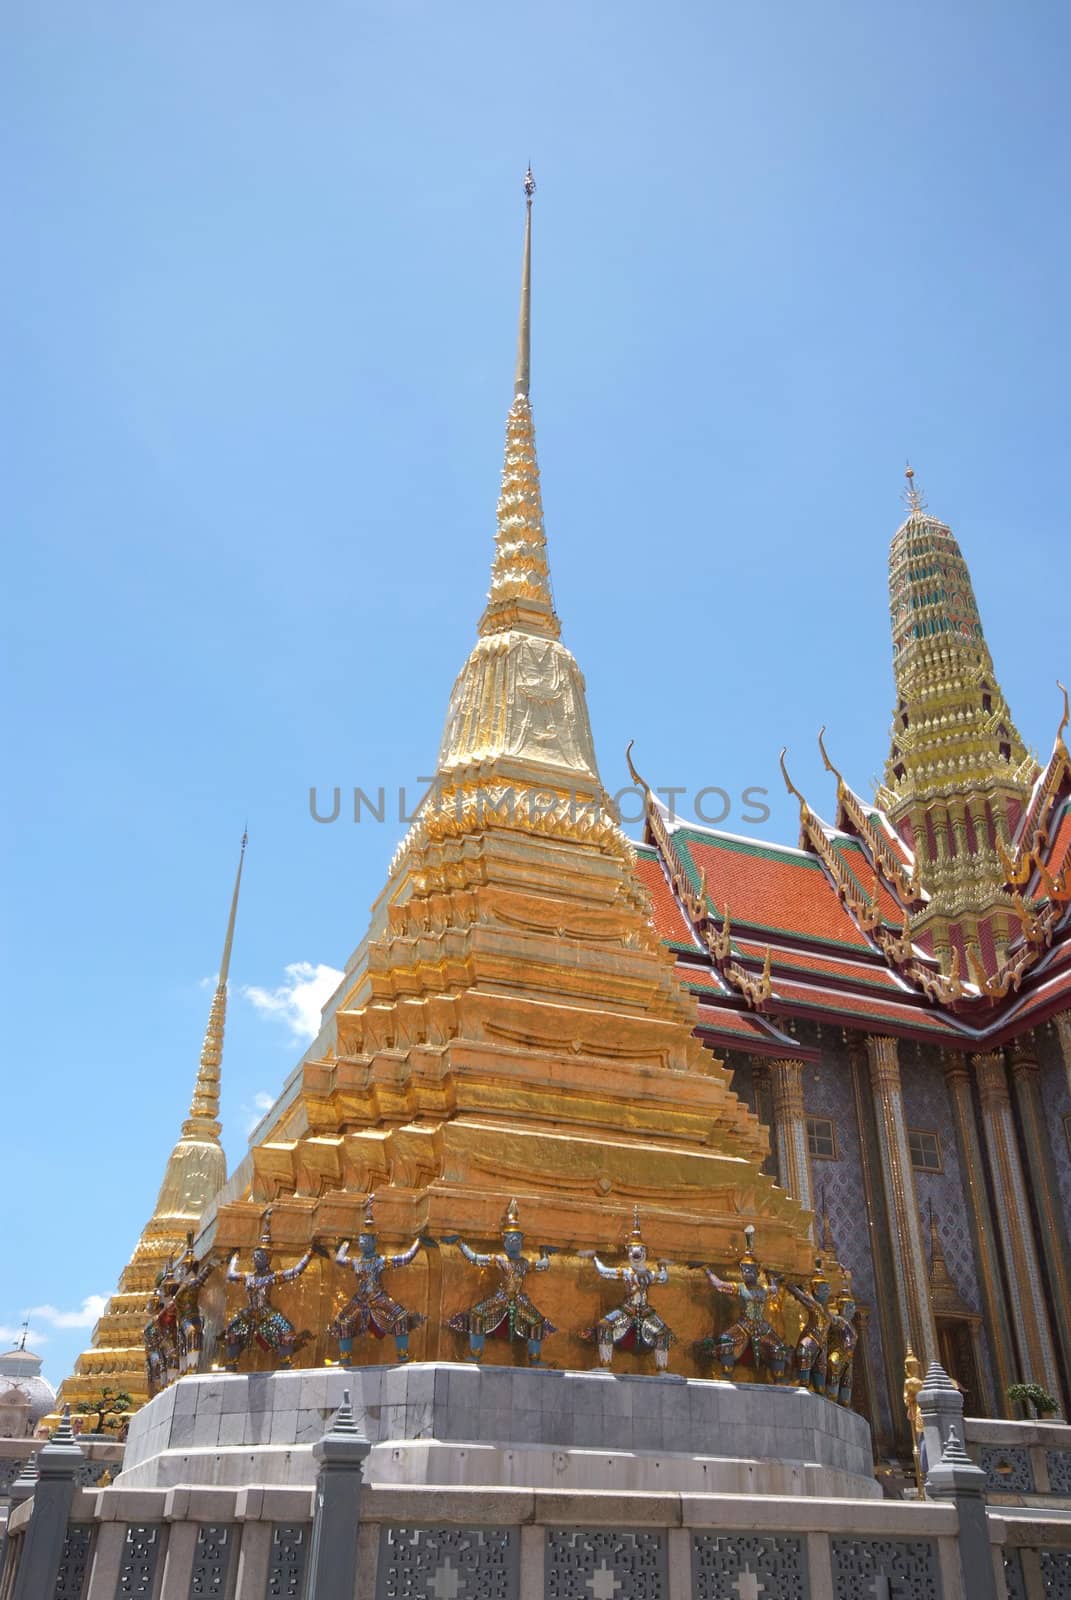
point(757, 1291)
point(843, 1337)
point(812, 1347)
point(370, 1308)
point(635, 1321)
point(259, 1319)
point(161, 1332)
point(508, 1312)
point(190, 1323)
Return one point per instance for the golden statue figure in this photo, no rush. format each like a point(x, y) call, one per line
point(812, 1347)
point(635, 1322)
point(843, 1337)
point(508, 1312)
point(370, 1309)
point(759, 1293)
point(160, 1334)
point(259, 1320)
point(913, 1381)
point(188, 1319)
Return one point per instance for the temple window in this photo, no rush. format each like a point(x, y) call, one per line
point(925, 1150)
point(821, 1139)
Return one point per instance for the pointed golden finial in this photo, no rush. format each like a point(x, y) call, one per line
point(225, 963)
point(524, 328)
point(913, 496)
point(637, 778)
point(1066, 718)
point(205, 1103)
point(789, 785)
point(521, 598)
point(825, 756)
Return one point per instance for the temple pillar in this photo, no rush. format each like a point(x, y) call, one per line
point(763, 1107)
point(1026, 1084)
point(958, 818)
point(983, 1234)
point(790, 1131)
point(1063, 1033)
point(865, 1368)
point(905, 1228)
point(877, 1229)
point(1037, 1353)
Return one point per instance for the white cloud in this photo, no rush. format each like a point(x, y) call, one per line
point(299, 999)
point(90, 1310)
point(262, 1102)
point(9, 1336)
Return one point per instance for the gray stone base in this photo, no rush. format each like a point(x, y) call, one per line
point(447, 1424)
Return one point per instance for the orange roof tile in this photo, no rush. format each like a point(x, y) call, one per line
point(869, 880)
point(669, 920)
point(847, 1003)
point(819, 963)
point(767, 886)
point(1059, 852)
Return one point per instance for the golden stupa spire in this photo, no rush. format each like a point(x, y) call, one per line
point(513, 990)
point(197, 1167)
point(958, 774)
point(195, 1173)
point(205, 1103)
point(521, 599)
point(524, 325)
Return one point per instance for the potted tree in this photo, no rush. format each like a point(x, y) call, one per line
point(107, 1408)
point(1032, 1394)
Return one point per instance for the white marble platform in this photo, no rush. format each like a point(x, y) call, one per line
point(440, 1423)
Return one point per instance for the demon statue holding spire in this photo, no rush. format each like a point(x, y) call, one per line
point(370, 1308)
point(161, 1332)
point(812, 1347)
point(189, 1321)
point(634, 1320)
point(757, 1290)
point(843, 1337)
point(508, 1312)
point(259, 1320)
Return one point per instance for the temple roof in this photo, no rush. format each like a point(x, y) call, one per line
point(767, 933)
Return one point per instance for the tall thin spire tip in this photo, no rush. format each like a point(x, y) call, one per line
point(913, 496)
point(524, 328)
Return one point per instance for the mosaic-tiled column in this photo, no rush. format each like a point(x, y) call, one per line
point(763, 1107)
point(983, 1231)
point(1063, 1033)
point(888, 1312)
point(1030, 1319)
point(1026, 1084)
point(905, 1227)
point(790, 1130)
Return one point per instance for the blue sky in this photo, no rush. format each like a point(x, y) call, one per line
point(258, 313)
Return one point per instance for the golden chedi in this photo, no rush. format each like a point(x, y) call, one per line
point(194, 1175)
point(511, 1028)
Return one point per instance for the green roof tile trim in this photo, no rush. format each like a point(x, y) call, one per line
point(842, 846)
